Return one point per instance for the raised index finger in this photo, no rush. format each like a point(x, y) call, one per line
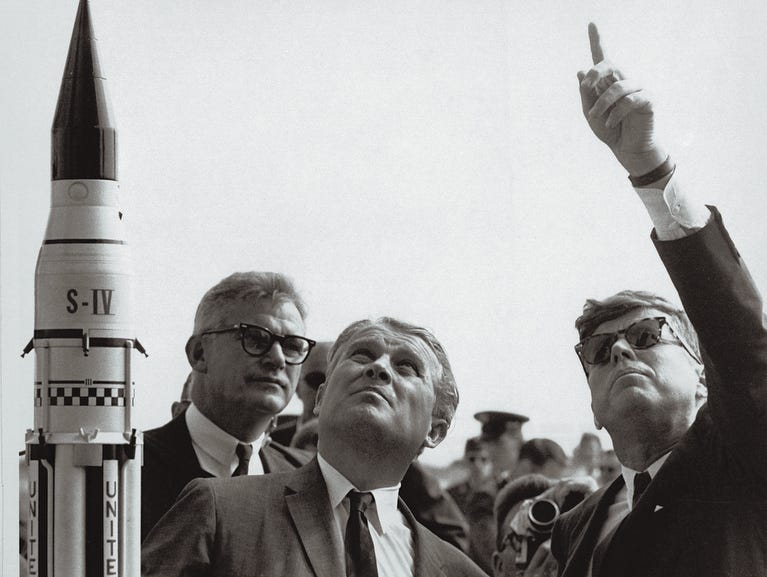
point(597, 54)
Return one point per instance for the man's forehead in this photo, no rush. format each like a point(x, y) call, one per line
point(265, 308)
point(621, 322)
point(396, 339)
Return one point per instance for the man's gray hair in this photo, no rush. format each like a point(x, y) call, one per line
point(445, 387)
point(244, 286)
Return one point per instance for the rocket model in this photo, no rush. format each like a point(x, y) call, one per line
point(84, 454)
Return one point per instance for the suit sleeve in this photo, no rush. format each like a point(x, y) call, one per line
point(181, 543)
point(725, 308)
point(560, 543)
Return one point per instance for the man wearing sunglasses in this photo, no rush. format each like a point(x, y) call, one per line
point(688, 422)
point(246, 354)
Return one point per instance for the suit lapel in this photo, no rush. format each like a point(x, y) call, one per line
point(580, 555)
point(425, 558)
point(176, 447)
point(307, 501)
point(268, 460)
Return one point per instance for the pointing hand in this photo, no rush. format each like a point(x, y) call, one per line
point(619, 112)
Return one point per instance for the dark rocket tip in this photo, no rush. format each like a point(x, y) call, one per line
point(82, 59)
point(84, 139)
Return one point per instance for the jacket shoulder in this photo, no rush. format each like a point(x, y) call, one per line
point(283, 458)
point(166, 439)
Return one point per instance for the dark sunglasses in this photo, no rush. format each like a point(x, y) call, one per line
point(643, 334)
point(257, 341)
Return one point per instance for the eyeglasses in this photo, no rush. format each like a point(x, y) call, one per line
point(257, 341)
point(643, 334)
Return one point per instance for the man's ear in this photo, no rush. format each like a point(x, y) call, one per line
point(195, 354)
point(318, 399)
point(597, 424)
point(436, 433)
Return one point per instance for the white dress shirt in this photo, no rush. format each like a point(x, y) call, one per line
point(389, 531)
point(215, 448)
point(622, 504)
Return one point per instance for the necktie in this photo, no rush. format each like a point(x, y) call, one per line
point(360, 555)
point(641, 480)
point(243, 453)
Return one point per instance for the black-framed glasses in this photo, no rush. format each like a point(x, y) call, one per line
point(642, 334)
point(257, 341)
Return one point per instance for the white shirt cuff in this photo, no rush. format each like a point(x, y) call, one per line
point(674, 213)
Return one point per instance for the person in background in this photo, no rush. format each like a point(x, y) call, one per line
point(479, 473)
point(587, 457)
point(502, 437)
point(609, 469)
point(542, 456)
point(185, 399)
point(522, 548)
point(312, 376)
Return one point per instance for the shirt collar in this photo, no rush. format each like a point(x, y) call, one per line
point(386, 514)
point(628, 475)
point(212, 439)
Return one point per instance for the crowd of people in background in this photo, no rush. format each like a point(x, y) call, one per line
point(230, 489)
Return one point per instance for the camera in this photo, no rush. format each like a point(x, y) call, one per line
point(537, 518)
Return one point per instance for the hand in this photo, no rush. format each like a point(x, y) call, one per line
point(543, 563)
point(619, 112)
point(570, 491)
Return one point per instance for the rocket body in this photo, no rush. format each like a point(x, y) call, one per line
point(84, 453)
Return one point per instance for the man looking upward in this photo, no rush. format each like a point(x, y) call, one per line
point(688, 422)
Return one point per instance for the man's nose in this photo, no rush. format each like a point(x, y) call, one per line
point(274, 357)
point(621, 349)
point(379, 370)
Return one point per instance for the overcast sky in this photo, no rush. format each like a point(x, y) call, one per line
point(426, 160)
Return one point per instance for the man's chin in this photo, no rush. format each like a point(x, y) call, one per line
point(266, 403)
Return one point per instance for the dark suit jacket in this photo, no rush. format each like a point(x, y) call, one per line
point(270, 525)
point(170, 463)
point(705, 512)
point(433, 507)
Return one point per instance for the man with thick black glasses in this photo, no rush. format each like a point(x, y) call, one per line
point(688, 421)
point(246, 354)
